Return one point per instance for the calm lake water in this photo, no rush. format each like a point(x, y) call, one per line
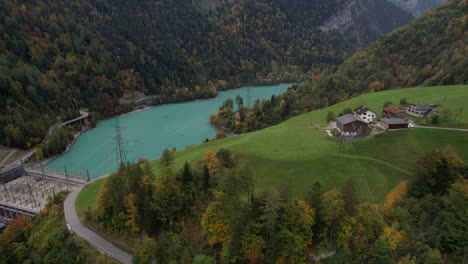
point(150, 131)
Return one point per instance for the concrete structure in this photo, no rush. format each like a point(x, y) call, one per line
point(394, 123)
point(26, 191)
point(419, 109)
point(350, 125)
point(11, 173)
point(365, 114)
point(391, 111)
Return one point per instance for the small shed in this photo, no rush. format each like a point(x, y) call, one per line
point(391, 111)
point(350, 125)
point(394, 123)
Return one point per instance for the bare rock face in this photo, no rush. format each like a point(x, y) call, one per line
point(366, 20)
point(210, 4)
point(417, 7)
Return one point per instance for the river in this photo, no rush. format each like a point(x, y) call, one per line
point(147, 133)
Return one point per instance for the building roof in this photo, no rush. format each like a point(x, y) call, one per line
point(362, 109)
point(423, 106)
point(394, 121)
point(348, 118)
point(392, 109)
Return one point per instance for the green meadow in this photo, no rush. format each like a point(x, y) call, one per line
point(88, 195)
point(297, 153)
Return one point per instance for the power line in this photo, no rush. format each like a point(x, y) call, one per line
point(120, 143)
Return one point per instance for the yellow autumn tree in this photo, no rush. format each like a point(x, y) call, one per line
point(395, 238)
point(211, 161)
point(132, 213)
point(104, 202)
point(215, 221)
point(375, 86)
point(38, 154)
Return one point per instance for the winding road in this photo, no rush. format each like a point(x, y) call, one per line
point(94, 239)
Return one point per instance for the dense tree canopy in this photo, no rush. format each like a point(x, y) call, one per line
point(59, 56)
point(219, 217)
point(429, 51)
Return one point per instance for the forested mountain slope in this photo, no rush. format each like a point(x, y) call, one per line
point(429, 51)
point(59, 56)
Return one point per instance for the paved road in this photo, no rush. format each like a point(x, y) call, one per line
point(444, 128)
point(96, 241)
point(9, 155)
point(83, 115)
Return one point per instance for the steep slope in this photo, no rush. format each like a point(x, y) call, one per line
point(429, 51)
point(59, 56)
point(366, 20)
point(417, 7)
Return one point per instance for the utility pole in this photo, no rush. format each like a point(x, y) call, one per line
point(248, 97)
point(67, 180)
point(42, 170)
point(459, 115)
point(33, 200)
point(120, 144)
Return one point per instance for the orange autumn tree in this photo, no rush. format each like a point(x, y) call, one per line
point(215, 221)
point(396, 238)
point(211, 161)
point(220, 134)
point(396, 194)
point(252, 248)
point(17, 225)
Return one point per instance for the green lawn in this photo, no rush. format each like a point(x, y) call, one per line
point(297, 153)
point(87, 197)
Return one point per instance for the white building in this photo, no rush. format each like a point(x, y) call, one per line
point(365, 114)
point(419, 109)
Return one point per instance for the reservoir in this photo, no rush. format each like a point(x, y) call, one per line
point(147, 133)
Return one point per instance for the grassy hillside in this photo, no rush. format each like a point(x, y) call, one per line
point(427, 52)
point(87, 197)
point(298, 153)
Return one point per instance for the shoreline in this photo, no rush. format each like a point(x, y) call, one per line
point(196, 100)
point(71, 144)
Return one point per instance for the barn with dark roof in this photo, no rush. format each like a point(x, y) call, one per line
point(350, 125)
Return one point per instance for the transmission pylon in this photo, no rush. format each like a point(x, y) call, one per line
point(120, 143)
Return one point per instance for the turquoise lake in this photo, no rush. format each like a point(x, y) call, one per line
point(150, 131)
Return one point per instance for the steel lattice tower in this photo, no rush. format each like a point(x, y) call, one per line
point(119, 143)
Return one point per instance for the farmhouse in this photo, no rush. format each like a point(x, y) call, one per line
point(419, 109)
point(394, 123)
point(350, 125)
point(365, 114)
point(391, 111)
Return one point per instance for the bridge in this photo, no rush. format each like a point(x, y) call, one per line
point(83, 115)
point(24, 190)
point(25, 157)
